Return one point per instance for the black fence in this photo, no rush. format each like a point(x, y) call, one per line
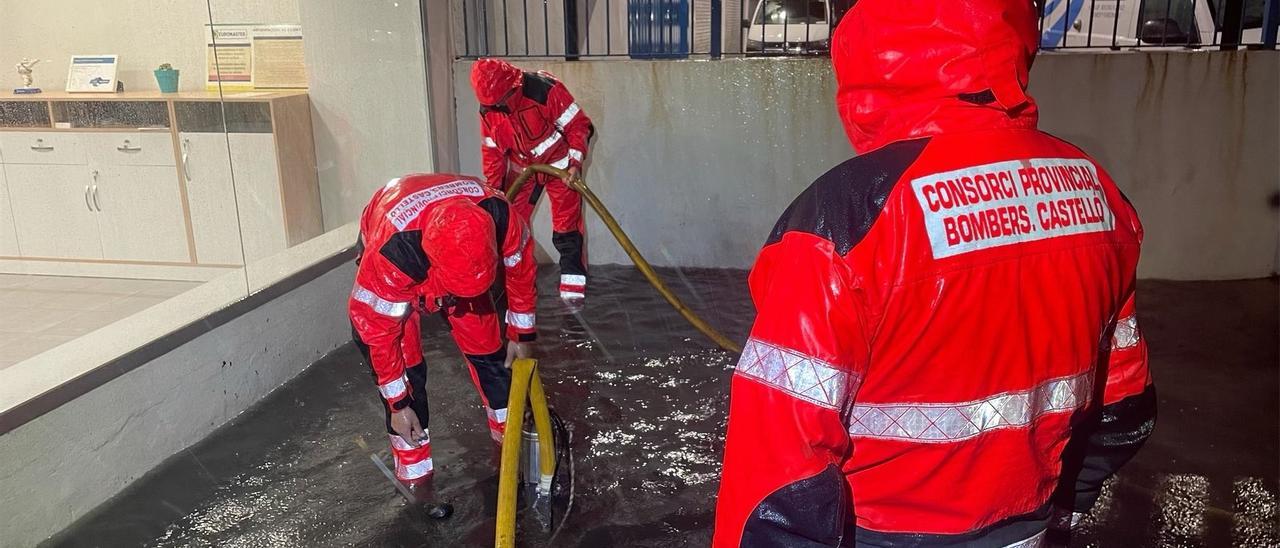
point(674, 29)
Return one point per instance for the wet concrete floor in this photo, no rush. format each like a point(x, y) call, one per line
point(644, 396)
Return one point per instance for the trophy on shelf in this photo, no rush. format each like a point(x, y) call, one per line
point(24, 70)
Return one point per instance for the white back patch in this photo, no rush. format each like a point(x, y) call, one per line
point(1005, 203)
point(412, 205)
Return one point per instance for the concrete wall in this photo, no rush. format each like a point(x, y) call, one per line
point(369, 101)
point(58, 467)
point(698, 158)
point(144, 34)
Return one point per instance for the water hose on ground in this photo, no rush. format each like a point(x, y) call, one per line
point(578, 185)
point(526, 386)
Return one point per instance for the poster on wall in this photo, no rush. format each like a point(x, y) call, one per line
point(277, 57)
point(229, 57)
point(92, 74)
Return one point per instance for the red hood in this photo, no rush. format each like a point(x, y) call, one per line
point(903, 67)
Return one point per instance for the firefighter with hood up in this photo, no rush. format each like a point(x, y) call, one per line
point(432, 244)
point(946, 331)
point(531, 118)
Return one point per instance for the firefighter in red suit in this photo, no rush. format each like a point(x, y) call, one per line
point(940, 315)
point(530, 118)
point(432, 244)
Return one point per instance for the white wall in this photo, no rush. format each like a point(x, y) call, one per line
point(698, 158)
point(145, 33)
point(368, 98)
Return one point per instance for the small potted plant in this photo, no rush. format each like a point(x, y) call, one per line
point(167, 78)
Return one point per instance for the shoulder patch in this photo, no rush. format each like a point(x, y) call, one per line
point(404, 250)
point(843, 203)
point(537, 86)
point(500, 210)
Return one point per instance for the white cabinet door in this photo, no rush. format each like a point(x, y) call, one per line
point(51, 211)
point(8, 232)
point(140, 213)
point(253, 161)
point(207, 174)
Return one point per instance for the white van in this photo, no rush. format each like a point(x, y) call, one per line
point(1123, 23)
point(793, 27)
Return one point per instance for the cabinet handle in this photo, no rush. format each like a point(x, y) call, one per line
point(40, 146)
point(186, 150)
point(126, 147)
point(86, 198)
point(95, 198)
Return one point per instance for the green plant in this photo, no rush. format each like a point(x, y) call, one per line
point(165, 66)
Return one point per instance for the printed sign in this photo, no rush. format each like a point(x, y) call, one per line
point(92, 73)
point(1011, 202)
point(229, 57)
point(412, 205)
point(277, 57)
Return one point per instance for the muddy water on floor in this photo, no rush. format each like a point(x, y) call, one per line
point(645, 396)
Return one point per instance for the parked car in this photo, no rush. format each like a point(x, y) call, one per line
point(795, 27)
point(1123, 23)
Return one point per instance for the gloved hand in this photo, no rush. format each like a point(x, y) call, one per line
point(517, 350)
point(405, 423)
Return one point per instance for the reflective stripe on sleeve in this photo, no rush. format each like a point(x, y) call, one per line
point(1126, 334)
point(489, 142)
point(394, 389)
point(796, 374)
point(378, 304)
point(568, 115)
point(520, 320)
point(575, 154)
point(562, 163)
point(948, 422)
point(413, 470)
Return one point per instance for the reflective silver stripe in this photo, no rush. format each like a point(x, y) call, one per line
point(561, 163)
point(547, 144)
point(1127, 334)
point(947, 422)
point(1036, 541)
point(399, 444)
point(567, 116)
point(378, 304)
point(520, 320)
point(797, 374)
point(575, 154)
point(488, 142)
point(573, 279)
point(413, 470)
point(514, 258)
point(393, 389)
point(572, 294)
point(497, 415)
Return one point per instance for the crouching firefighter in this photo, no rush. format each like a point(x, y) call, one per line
point(530, 118)
point(432, 244)
point(940, 315)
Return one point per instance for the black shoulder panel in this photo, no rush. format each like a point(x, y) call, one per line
point(404, 250)
point(500, 210)
point(808, 513)
point(537, 86)
point(843, 203)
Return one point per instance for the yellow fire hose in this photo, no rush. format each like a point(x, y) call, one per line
point(525, 385)
point(580, 186)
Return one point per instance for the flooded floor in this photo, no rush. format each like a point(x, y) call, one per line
point(644, 396)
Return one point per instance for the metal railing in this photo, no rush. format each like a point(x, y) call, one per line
point(673, 29)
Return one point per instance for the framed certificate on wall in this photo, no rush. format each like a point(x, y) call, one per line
point(92, 73)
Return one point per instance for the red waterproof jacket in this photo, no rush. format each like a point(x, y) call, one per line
point(406, 261)
point(937, 314)
point(540, 124)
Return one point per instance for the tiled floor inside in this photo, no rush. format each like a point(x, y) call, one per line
point(40, 312)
